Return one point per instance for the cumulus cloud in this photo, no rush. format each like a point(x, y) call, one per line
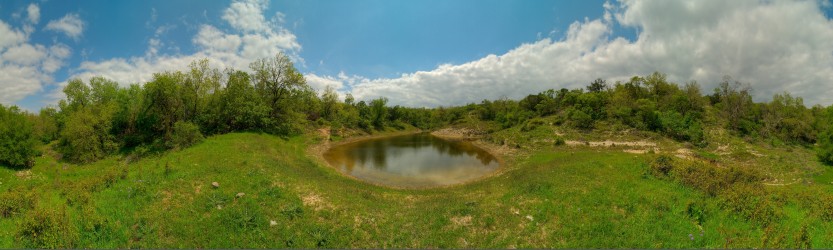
point(25, 54)
point(18, 81)
point(773, 45)
point(33, 13)
point(71, 25)
point(25, 67)
point(339, 82)
point(247, 16)
point(252, 37)
point(10, 36)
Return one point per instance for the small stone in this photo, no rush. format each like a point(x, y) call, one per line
point(273, 223)
point(215, 184)
point(529, 217)
point(240, 195)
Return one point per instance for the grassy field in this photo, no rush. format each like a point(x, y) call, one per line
point(272, 193)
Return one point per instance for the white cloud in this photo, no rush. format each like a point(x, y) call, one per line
point(71, 25)
point(25, 54)
point(321, 82)
point(56, 57)
point(210, 38)
point(25, 67)
point(9, 36)
point(773, 45)
point(33, 13)
point(18, 81)
point(252, 37)
point(247, 15)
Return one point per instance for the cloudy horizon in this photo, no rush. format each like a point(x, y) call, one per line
point(774, 46)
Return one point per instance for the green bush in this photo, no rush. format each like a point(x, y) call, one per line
point(47, 229)
point(697, 211)
point(17, 142)
point(14, 202)
point(184, 135)
point(739, 189)
point(662, 166)
point(752, 203)
point(532, 124)
point(580, 119)
point(559, 141)
point(825, 147)
point(85, 136)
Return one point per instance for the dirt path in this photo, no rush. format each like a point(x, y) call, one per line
point(633, 147)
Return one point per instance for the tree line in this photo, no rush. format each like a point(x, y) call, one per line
point(176, 109)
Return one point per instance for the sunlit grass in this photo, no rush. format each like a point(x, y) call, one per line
point(548, 197)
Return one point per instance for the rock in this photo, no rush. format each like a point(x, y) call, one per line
point(273, 223)
point(240, 195)
point(215, 184)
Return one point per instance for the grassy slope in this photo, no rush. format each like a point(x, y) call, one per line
point(546, 197)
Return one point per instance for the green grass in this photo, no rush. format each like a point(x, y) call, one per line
point(546, 197)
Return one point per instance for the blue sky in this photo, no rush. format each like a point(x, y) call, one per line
point(422, 53)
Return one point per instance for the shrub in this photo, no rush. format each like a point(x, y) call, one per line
point(85, 136)
point(581, 120)
point(697, 211)
point(739, 189)
point(751, 202)
point(532, 124)
point(825, 147)
point(559, 141)
point(17, 142)
point(662, 165)
point(13, 202)
point(184, 135)
point(47, 229)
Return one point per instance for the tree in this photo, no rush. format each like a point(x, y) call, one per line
point(164, 105)
point(17, 142)
point(330, 107)
point(45, 124)
point(102, 90)
point(86, 133)
point(78, 96)
point(127, 121)
point(285, 91)
point(275, 79)
point(787, 118)
point(240, 107)
point(197, 84)
point(597, 85)
point(825, 147)
point(379, 113)
point(694, 97)
point(735, 101)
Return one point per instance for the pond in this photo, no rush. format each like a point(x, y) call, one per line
point(412, 161)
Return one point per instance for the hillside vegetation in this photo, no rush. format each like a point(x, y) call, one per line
point(644, 163)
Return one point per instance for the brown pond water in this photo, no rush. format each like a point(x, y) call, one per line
point(412, 161)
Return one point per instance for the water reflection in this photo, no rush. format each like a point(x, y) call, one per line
point(417, 160)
